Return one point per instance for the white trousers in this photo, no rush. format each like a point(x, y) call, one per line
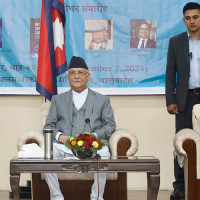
point(61, 152)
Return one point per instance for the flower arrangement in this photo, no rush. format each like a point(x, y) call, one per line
point(85, 145)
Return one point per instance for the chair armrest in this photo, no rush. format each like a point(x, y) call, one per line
point(31, 137)
point(181, 137)
point(119, 135)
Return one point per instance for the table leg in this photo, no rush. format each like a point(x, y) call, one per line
point(14, 183)
point(153, 186)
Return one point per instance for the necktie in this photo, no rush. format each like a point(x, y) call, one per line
point(142, 45)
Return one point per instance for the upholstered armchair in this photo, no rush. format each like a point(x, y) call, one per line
point(78, 185)
point(187, 148)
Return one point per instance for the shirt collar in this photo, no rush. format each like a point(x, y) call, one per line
point(189, 37)
point(83, 93)
point(145, 40)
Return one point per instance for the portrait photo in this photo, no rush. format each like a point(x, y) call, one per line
point(0, 32)
point(34, 37)
point(99, 34)
point(143, 34)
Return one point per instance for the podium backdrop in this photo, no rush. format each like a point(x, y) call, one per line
point(116, 68)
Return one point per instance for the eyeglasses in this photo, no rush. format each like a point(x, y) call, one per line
point(144, 29)
point(79, 73)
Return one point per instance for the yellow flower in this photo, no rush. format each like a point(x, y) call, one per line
point(80, 143)
point(87, 133)
point(95, 144)
point(71, 139)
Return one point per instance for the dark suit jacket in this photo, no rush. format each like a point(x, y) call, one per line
point(98, 110)
point(151, 44)
point(178, 71)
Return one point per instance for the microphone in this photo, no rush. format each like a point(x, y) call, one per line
point(190, 55)
point(87, 121)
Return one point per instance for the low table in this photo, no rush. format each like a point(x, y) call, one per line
point(148, 164)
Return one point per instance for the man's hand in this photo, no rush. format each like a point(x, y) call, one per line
point(172, 109)
point(63, 138)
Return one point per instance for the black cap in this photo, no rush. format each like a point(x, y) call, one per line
point(77, 62)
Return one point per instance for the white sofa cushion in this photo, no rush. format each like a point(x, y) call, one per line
point(196, 118)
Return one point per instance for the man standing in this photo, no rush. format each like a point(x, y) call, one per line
point(183, 80)
point(144, 41)
point(67, 117)
point(99, 36)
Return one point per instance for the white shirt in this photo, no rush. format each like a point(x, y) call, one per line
point(78, 100)
point(140, 43)
point(97, 45)
point(194, 48)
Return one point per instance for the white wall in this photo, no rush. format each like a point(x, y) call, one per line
point(145, 116)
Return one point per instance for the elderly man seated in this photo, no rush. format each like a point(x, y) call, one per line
point(67, 117)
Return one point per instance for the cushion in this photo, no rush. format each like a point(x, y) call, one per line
point(196, 118)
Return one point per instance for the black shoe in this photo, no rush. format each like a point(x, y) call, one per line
point(177, 194)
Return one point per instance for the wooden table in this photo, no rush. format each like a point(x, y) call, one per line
point(148, 164)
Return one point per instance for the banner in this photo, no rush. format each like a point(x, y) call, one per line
point(108, 34)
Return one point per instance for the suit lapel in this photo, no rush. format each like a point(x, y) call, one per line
point(148, 44)
point(185, 47)
point(69, 103)
point(137, 42)
point(91, 98)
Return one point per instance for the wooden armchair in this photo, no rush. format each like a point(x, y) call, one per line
point(76, 186)
point(187, 148)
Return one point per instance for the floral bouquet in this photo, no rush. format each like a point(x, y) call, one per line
point(85, 145)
